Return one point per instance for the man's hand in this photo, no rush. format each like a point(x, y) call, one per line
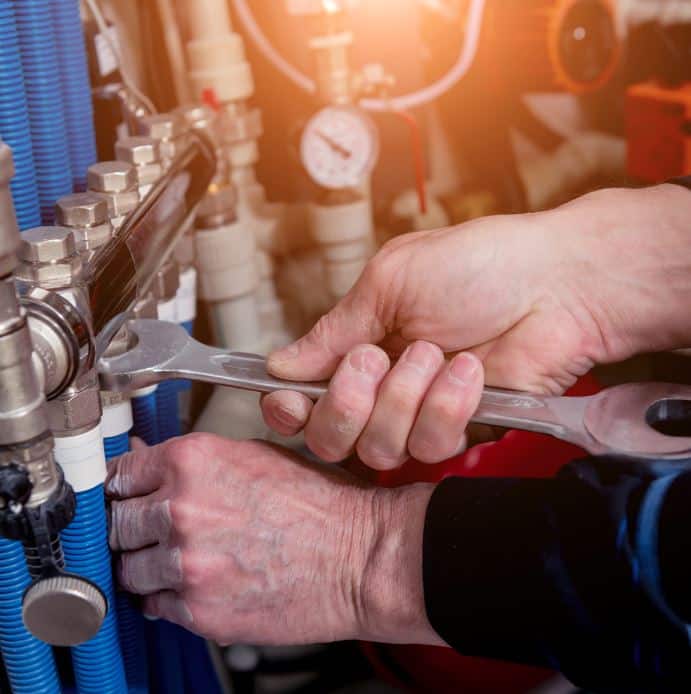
point(532, 300)
point(244, 542)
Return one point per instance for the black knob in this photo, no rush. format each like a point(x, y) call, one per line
point(15, 485)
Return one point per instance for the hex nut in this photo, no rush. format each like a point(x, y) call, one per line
point(120, 204)
point(46, 244)
point(149, 173)
point(111, 177)
point(74, 411)
point(162, 126)
point(138, 150)
point(81, 210)
point(91, 238)
point(217, 207)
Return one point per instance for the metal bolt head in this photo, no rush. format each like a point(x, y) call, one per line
point(120, 204)
point(81, 210)
point(111, 177)
point(47, 244)
point(197, 116)
point(147, 174)
point(138, 150)
point(162, 126)
point(91, 238)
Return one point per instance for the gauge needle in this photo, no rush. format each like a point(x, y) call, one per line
point(345, 153)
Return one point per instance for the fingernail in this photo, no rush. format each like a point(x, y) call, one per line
point(368, 361)
point(420, 355)
point(463, 368)
point(285, 417)
point(286, 354)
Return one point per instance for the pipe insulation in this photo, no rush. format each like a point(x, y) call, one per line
point(76, 89)
point(117, 422)
point(98, 663)
point(40, 65)
point(14, 121)
point(29, 662)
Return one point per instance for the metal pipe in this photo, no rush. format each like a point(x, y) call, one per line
point(124, 269)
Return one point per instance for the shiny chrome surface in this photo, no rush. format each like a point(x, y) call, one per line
point(617, 421)
point(126, 266)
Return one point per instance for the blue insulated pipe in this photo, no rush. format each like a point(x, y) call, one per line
point(14, 121)
point(28, 661)
point(45, 100)
point(98, 664)
point(130, 619)
point(145, 417)
point(76, 89)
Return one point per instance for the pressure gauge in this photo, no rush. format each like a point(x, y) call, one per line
point(339, 147)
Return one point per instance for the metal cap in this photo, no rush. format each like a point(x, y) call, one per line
point(138, 150)
point(64, 610)
point(46, 245)
point(111, 177)
point(81, 210)
point(162, 126)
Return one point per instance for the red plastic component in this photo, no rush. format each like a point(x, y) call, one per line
point(441, 670)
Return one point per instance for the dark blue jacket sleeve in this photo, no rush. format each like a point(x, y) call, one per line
point(588, 573)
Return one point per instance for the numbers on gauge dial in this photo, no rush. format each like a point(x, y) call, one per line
point(339, 147)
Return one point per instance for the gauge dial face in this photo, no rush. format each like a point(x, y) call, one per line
point(339, 147)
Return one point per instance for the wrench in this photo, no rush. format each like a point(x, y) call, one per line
point(648, 421)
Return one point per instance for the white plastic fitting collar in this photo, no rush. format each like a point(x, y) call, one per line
point(167, 310)
point(117, 419)
point(186, 297)
point(82, 459)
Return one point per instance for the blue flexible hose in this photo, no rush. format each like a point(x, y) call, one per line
point(168, 410)
point(46, 106)
point(28, 661)
point(76, 89)
point(116, 445)
point(98, 664)
point(145, 418)
point(130, 618)
point(14, 121)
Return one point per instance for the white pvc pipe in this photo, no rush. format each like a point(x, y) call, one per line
point(400, 103)
point(207, 19)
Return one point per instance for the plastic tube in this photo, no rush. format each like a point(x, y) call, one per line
point(400, 103)
point(117, 422)
point(28, 661)
point(76, 89)
point(144, 415)
point(14, 121)
point(168, 411)
point(46, 107)
point(98, 664)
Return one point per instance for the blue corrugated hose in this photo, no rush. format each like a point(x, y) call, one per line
point(130, 619)
point(44, 98)
point(98, 664)
point(29, 662)
point(76, 90)
point(14, 121)
point(145, 422)
point(167, 410)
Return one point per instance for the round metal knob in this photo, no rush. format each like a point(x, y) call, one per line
point(64, 610)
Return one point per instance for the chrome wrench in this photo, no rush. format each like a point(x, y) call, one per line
point(640, 420)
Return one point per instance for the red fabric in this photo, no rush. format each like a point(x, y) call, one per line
point(441, 670)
